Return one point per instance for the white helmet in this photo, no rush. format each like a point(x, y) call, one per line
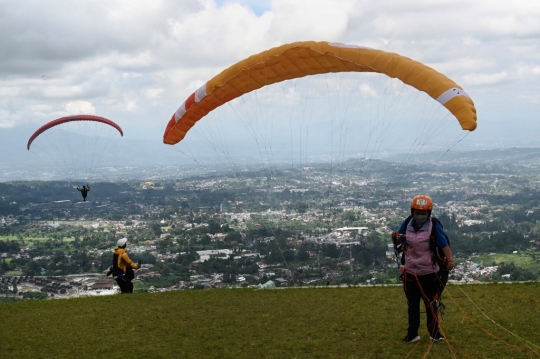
point(121, 242)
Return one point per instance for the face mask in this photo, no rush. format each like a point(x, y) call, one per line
point(420, 218)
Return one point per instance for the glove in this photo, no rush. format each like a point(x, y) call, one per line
point(395, 237)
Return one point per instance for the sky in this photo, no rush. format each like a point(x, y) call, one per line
point(136, 61)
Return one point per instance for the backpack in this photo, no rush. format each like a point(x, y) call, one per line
point(438, 255)
point(117, 272)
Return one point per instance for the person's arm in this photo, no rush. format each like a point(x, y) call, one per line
point(129, 262)
point(402, 229)
point(442, 243)
point(448, 254)
point(449, 258)
point(440, 237)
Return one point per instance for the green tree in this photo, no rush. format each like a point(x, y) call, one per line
point(34, 295)
point(303, 255)
point(206, 240)
point(156, 228)
point(300, 206)
point(233, 236)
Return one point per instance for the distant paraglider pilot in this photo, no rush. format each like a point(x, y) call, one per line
point(122, 267)
point(84, 191)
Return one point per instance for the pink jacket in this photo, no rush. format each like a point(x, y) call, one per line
point(418, 257)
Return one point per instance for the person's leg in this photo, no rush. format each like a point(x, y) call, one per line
point(429, 285)
point(124, 285)
point(412, 292)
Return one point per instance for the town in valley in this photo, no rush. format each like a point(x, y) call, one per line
point(312, 225)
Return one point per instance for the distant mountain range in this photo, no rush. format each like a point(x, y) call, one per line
point(499, 156)
point(142, 158)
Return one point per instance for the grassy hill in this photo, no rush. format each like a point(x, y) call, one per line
point(481, 321)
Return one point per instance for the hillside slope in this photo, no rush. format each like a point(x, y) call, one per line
point(481, 321)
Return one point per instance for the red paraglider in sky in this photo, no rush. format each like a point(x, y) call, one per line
point(62, 120)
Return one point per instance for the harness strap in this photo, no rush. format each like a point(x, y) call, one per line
point(117, 271)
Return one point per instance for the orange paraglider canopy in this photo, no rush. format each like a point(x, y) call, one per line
point(307, 58)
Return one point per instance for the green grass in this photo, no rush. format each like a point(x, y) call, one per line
point(290, 323)
point(13, 272)
point(33, 239)
point(15, 238)
point(522, 260)
point(70, 222)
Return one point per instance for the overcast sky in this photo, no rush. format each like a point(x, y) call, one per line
point(136, 61)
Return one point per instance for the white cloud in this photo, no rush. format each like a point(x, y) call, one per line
point(153, 93)
point(213, 36)
point(366, 90)
point(481, 79)
point(470, 41)
point(80, 107)
point(41, 108)
point(292, 95)
point(62, 91)
point(314, 20)
point(535, 99)
point(7, 120)
point(452, 67)
point(528, 70)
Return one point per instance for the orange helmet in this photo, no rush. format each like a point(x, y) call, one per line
point(422, 202)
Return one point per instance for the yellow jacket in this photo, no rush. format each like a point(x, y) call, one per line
point(123, 260)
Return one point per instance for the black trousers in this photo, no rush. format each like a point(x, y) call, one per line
point(125, 285)
point(423, 288)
